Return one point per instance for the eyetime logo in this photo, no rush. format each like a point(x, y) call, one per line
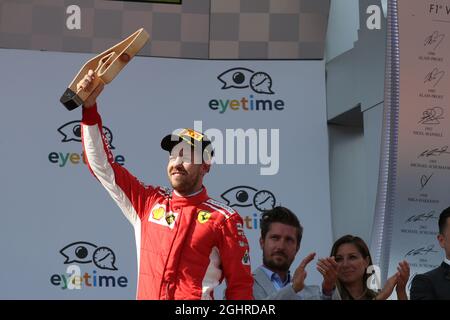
point(246, 196)
point(82, 252)
point(243, 78)
point(71, 132)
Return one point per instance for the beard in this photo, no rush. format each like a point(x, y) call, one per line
point(184, 184)
point(277, 265)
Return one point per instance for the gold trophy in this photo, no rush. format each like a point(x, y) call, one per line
point(106, 66)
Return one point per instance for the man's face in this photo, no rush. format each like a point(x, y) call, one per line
point(444, 238)
point(279, 247)
point(184, 175)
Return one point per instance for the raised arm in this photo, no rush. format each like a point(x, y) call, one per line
point(129, 194)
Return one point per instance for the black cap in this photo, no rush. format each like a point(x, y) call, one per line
point(189, 136)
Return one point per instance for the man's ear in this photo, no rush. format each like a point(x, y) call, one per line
point(261, 243)
point(441, 240)
point(206, 167)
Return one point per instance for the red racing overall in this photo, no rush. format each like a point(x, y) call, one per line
point(186, 245)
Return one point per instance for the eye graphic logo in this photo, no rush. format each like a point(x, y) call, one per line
point(71, 131)
point(85, 252)
point(241, 78)
point(245, 196)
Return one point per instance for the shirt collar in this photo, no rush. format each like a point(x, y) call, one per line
point(447, 261)
point(274, 276)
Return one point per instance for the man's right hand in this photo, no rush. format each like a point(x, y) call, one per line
point(85, 84)
point(298, 281)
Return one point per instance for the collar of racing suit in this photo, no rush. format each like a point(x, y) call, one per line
point(180, 201)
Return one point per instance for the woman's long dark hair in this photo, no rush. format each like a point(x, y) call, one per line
point(363, 249)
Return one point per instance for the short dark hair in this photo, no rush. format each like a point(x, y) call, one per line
point(281, 215)
point(443, 219)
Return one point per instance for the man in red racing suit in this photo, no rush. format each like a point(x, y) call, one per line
point(187, 242)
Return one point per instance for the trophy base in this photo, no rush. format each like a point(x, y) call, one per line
point(70, 99)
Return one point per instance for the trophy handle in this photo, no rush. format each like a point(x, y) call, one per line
point(106, 67)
